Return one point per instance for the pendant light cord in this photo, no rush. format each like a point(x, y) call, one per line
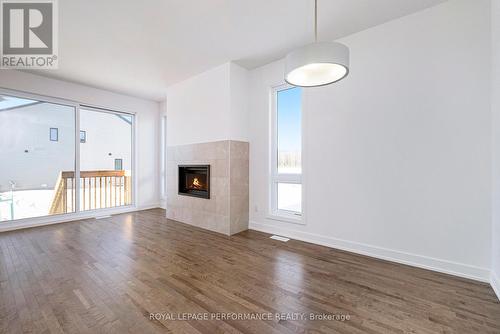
point(315, 21)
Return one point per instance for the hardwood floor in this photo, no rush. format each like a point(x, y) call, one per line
point(111, 275)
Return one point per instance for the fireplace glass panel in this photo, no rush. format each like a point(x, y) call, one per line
point(194, 181)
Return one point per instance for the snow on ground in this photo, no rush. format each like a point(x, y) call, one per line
point(25, 204)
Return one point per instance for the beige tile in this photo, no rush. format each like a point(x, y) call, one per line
point(208, 205)
point(222, 205)
point(211, 222)
point(239, 170)
point(239, 204)
point(238, 189)
point(205, 151)
point(221, 149)
point(227, 210)
point(219, 168)
point(171, 153)
point(219, 186)
point(171, 192)
point(222, 223)
point(238, 225)
point(239, 150)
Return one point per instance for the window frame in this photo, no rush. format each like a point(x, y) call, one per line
point(84, 139)
point(54, 134)
point(134, 156)
point(120, 163)
point(274, 177)
point(78, 213)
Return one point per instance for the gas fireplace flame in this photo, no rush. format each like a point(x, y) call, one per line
point(197, 184)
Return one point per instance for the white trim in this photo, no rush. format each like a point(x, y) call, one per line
point(303, 156)
point(77, 159)
point(495, 284)
point(287, 219)
point(105, 110)
point(274, 176)
point(133, 144)
point(38, 97)
point(148, 207)
point(425, 262)
point(135, 158)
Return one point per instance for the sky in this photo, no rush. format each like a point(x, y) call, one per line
point(289, 119)
point(7, 102)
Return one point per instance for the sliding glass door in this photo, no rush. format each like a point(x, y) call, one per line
point(37, 148)
point(105, 159)
point(57, 157)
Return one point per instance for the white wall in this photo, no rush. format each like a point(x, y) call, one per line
point(197, 108)
point(147, 113)
point(162, 169)
point(106, 133)
point(495, 108)
point(238, 86)
point(406, 141)
point(27, 156)
point(208, 107)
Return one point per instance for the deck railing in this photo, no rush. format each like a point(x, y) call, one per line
point(98, 189)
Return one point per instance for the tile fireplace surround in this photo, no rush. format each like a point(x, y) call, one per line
point(227, 209)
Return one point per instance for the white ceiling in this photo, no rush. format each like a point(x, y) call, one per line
point(141, 47)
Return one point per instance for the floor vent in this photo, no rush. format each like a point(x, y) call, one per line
point(277, 237)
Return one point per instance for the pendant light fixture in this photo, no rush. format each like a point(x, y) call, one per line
point(317, 64)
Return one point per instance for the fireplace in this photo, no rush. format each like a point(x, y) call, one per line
point(194, 180)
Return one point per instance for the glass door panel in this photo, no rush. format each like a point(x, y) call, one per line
point(37, 158)
point(105, 159)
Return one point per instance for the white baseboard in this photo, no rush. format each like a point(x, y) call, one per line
point(148, 207)
point(425, 262)
point(495, 284)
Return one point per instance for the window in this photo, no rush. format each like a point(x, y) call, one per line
point(286, 159)
point(70, 177)
point(118, 164)
point(107, 181)
point(33, 174)
point(54, 134)
point(83, 136)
